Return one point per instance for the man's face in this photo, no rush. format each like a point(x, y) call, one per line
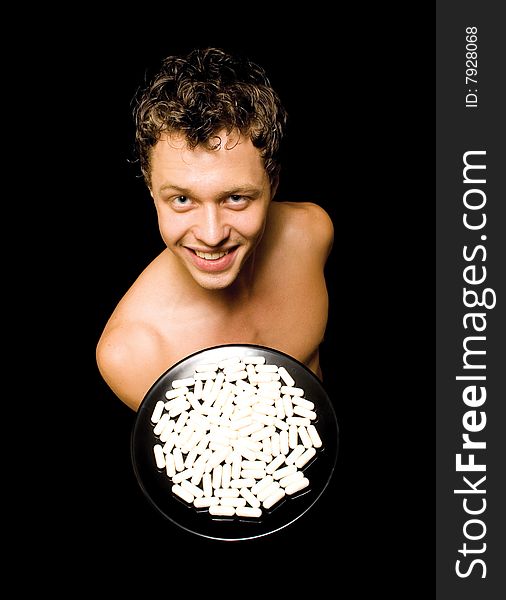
point(211, 205)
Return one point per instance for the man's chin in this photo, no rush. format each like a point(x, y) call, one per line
point(216, 281)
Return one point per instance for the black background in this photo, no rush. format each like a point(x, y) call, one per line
point(357, 146)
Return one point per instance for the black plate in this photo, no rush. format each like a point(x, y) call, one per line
point(157, 486)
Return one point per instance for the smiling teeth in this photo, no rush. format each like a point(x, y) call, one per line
point(210, 255)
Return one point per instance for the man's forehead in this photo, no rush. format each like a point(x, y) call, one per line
point(172, 156)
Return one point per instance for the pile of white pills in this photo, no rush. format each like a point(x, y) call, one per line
point(234, 436)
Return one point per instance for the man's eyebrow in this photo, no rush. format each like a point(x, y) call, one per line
point(236, 190)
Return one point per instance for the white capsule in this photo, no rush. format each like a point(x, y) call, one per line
point(267, 491)
point(254, 360)
point(248, 430)
point(304, 412)
point(241, 412)
point(289, 479)
point(250, 498)
point(198, 473)
point(263, 368)
point(260, 485)
point(266, 446)
point(262, 456)
point(159, 456)
point(284, 472)
point(191, 457)
point(206, 367)
point(305, 457)
point(236, 375)
point(204, 376)
point(178, 459)
point(234, 368)
point(219, 510)
point(229, 407)
point(253, 473)
point(193, 489)
point(275, 444)
point(283, 442)
point(205, 502)
point(183, 437)
point(240, 423)
point(194, 403)
point(236, 466)
point(305, 437)
point(258, 436)
point(216, 389)
point(280, 410)
point(274, 498)
point(265, 409)
point(286, 377)
point(294, 454)
point(217, 476)
point(303, 402)
point(170, 467)
point(226, 475)
point(186, 382)
point(245, 452)
point(245, 387)
point(182, 493)
point(268, 386)
point(263, 400)
point(292, 391)
point(168, 429)
point(298, 421)
point(233, 502)
point(226, 492)
point(264, 377)
point(198, 389)
point(288, 406)
point(218, 457)
point(297, 486)
point(191, 444)
point(248, 511)
point(182, 475)
point(280, 424)
point(250, 370)
point(206, 390)
point(315, 438)
point(179, 408)
point(292, 436)
point(261, 418)
point(175, 393)
point(170, 443)
point(157, 412)
point(239, 483)
point(202, 445)
point(275, 464)
point(226, 363)
point(207, 484)
point(247, 442)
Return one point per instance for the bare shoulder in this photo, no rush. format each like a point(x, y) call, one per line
point(128, 357)
point(130, 348)
point(305, 222)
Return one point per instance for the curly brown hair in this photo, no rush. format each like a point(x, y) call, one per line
point(204, 93)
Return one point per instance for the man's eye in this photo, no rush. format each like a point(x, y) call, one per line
point(237, 199)
point(181, 202)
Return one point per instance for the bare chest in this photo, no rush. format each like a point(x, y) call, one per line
point(285, 319)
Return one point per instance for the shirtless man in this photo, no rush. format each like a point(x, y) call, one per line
point(238, 267)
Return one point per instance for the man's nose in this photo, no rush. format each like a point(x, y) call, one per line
point(211, 229)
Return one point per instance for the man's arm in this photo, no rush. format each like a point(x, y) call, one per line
point(129, 360)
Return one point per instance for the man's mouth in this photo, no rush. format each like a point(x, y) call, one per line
point(212, 262)
point(210, 255)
